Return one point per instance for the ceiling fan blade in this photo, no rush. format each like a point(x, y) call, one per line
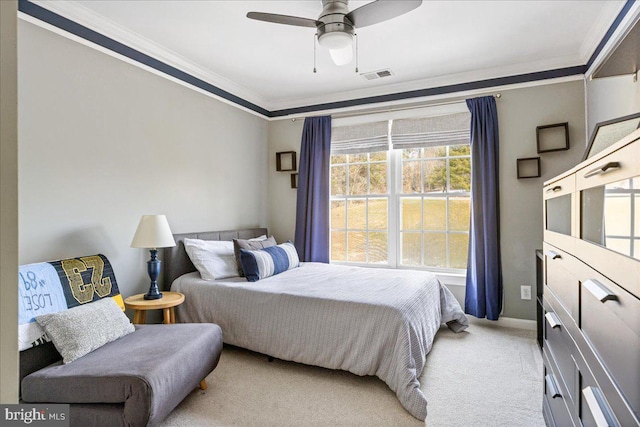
point(381, 10)
point(283, 19)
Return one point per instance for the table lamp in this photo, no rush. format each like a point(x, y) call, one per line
point(153, 232)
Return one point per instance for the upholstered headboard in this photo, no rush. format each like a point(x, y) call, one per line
point(176, 262)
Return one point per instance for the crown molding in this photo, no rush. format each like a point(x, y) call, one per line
point(425, 101)
point(78, 23)
point(577, 71)
point(88, 18)
point(624, 24)
point(430, 83)
point(599, 30)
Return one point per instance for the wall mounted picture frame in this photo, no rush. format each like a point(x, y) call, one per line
point(609, 132)
point(528, 167)
point(286, 161)
point(553, 137)
point(294, 180)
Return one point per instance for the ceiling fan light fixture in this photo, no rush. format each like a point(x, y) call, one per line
point(335, 40)
point(342, 56)
point(336, 25)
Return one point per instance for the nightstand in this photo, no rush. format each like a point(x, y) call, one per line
point(167, 303)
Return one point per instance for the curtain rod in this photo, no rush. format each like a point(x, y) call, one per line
point(391, 109)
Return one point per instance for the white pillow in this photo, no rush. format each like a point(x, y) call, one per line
point(213, 259)
point(82, 329)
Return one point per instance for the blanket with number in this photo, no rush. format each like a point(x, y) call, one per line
point(50, 287)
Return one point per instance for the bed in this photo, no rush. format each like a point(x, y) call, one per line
point(368, 321)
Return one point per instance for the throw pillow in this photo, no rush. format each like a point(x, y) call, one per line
point(250, 245)
point(80, 330)
point(212, 258)
point(269, 261)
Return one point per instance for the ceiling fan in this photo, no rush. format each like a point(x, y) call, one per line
point(336, 25)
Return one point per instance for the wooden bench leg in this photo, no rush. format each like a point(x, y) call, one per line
point(203, 385)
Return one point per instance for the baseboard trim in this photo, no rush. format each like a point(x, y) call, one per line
point(508, 322)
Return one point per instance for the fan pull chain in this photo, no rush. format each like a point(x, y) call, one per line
point(315, 39)
point(356, 37)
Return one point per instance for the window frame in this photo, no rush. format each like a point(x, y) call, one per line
point(394, 196)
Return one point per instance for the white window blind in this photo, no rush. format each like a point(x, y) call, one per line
point(451, 129)
point(363, 138)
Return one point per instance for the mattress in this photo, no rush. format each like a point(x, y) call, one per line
point(368, 321)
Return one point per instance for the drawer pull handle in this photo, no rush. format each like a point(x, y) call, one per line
point(554, 189)
point(603, 169)
point(599, 290)
point(552, 320)
point(598, 407)
point(552, 388)
point(553, 255)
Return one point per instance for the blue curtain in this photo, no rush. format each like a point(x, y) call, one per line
point(312, 209)
point(484, 270)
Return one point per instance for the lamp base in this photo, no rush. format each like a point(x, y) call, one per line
point(153, 268)
point(157, 295)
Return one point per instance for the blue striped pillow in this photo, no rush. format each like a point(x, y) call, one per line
point(268, 261)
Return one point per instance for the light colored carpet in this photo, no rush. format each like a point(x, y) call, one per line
point(487, 376)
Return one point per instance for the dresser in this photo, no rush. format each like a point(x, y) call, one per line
point(591, 290)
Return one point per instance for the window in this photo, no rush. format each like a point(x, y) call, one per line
point(406, 206)
point(359, 208)
point(435, 203)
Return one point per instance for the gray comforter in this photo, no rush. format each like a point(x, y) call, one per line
point(368, 321)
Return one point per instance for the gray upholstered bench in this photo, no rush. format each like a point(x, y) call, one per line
point(110, 373)
point(136, 380)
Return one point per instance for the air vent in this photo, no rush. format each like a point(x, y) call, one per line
point(377, 74)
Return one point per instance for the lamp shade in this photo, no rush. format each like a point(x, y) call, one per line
point(153, 232)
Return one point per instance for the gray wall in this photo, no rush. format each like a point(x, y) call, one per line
point(519, 111)
point(284, 135)
point(103, 142)
point(611, 97)
point(9, 203)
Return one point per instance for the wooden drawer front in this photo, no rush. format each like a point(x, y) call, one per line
point(554, 397)
point(559, 346)
point(621, 164)
point(555, 413)
point(594, 408)
point(560, 277)
point(610, 322)
point(561, 241)
point(546, 413)
point(610, 404)
point(623, 270)
point(566, 185)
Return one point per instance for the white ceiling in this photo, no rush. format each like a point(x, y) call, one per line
point(440, 43)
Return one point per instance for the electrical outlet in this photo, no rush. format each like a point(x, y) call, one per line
point(525, 292)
